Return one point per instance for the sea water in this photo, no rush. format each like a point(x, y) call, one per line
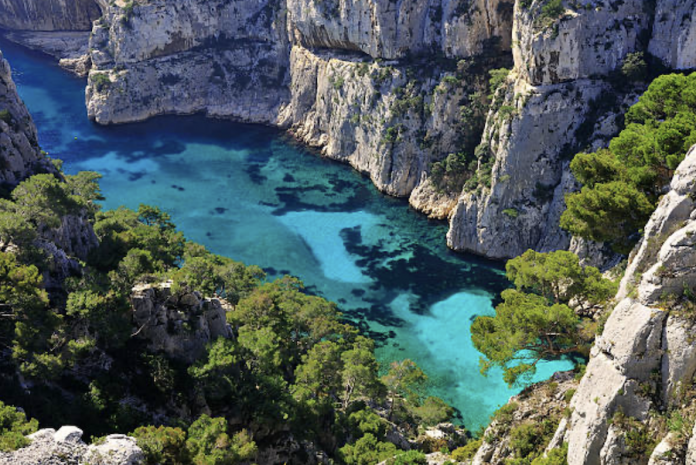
point(250, 193)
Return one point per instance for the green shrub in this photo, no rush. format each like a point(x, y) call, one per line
point(634, 67)
point(209, 444)
point(553, 9)
point(5, 116)
point(162, 444)
point(101, 81)
point(14, 427)
point(412, 457)
point(511, 212)
point(466, 452)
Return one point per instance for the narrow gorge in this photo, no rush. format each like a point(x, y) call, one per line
point(509, 126)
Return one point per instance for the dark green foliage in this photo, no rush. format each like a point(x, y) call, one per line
point(623, 183)
point(291, 359)
point(634, 67)
point(367, 451)
point(101, 81)
point(466, 452)
point(6, 116)
point(14, 427)
point(162, 445)
point(556, 456)
point(524, 322)
point(497, 80)
point(553, 9)
point(209, 443)
point(528, 441)
point(213, 274)
point(534, 322)
point(559, 277)
point(412, 457)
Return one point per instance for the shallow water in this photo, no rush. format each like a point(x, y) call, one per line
point(248, 193)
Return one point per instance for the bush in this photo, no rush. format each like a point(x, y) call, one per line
point(466, 452)
point(162, 444)
point(623, 184)
point(209, 443)
point(14, 427)
point(553, 9)
point(367, 451)
point(412, 457)
point(101, 81)
point(634, 67)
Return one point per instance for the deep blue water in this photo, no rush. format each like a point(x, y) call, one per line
point(249, 193)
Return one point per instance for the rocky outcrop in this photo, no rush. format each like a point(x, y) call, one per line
point(70, 48)
point(220, 58)
point(20, 155)
point(543, 402)
point(177, 324)
point(65, 446)
point(388, 120)
point(48, 15)
point(645, 360)
point(590, 38)
point(525, 138)
point(391, 30)
point(674, 33)
point(548, 111)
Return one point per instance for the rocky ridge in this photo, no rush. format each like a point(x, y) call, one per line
point(20, 154)
point(178, 325)
point(51, 447)
point(644, 362)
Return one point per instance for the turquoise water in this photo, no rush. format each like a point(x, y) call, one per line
point(249, 193)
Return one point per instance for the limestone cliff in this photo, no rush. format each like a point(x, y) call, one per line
point(674, 33)
point(557, 101)
point(48, 15)
point(374, 83)
point(49, 446)
point(388, 120)
point(387, 29)
point(20, 155)
point(158, 57)
point(642, 367)
point(178, 325)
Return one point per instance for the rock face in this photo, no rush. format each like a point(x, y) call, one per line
point(645, 359)
point(180, 325)
point(20, 155)
point(65, 446)
point(674, 33)
point(221, 58)
point(541, 402)
point(391, 30)
point(388, 120)
point(522, 206)
point(540, 121)
point(20, 158)
point(590, 39)
point(48, 15)
point(69, 47)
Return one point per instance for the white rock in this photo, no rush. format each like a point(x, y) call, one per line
point(68, 434)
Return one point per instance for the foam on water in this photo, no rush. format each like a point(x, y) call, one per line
point(248, 193)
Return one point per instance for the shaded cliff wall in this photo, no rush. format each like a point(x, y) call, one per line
point(48, 15)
